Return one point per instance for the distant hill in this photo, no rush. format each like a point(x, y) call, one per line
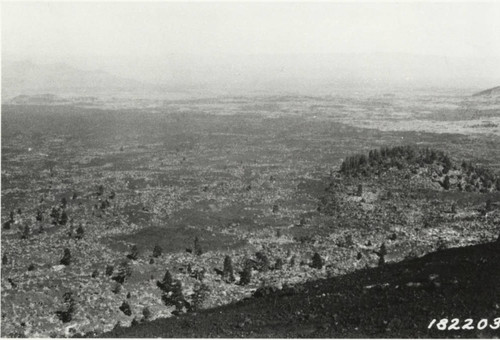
point(424, 165)
point(494, 91)
point(25, 77)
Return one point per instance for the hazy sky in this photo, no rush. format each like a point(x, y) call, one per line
point(51, 29)
point(95, 34)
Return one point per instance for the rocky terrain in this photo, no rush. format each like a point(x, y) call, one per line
point(396, 300)
point(233, 204)
point(384, 300)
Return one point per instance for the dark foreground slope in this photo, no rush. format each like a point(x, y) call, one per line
point(396, 300)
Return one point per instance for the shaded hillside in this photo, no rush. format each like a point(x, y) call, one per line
point(398, 300)
point(494, 91)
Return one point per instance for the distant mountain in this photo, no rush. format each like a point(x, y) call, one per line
point(494, 91)
point(26, 77)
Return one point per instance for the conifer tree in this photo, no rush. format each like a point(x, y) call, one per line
point(246, 275)
point(488, 205)
point(125, 308)
point(109, 270)
point(55, 214)
point(262, 261)
point(381, 254)
point(134, 253)
point(64, 218)
point(200, 294)
point(157, 251)
point(66, 315)
point(79, 232)
point(317, 261)
point(167, 282)
point(39, 215)
point(124, 272)
point(197, 247)
point(66, 259)
point(7, 224)
point(26, 232)
point(446, 183)
point(360, 190)
point(228, 274)
point(146, 313)
point(279, 264)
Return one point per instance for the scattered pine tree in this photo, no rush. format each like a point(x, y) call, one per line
point(117, 288)
point(124, 272)
point(7, 224)
point(167, 282)
point(55, 214)
point(25, 234)
point(157, 251)
point(66, 259)
point(64, 218)
point(446, 183)
point(262, 262)
point(197, 247)
point(360, 190)
point(39, 215)
point(228, 274)
point(381, 254)
point(488, 205)
point(134, 253)
point(199, 296)
point(454, 208)
point(66, 315)
point(146, 313)
point(246, 274)
point(125, 308)
point(279, 264)
point(79, 232)
point(109, 270)
point(317, 261)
